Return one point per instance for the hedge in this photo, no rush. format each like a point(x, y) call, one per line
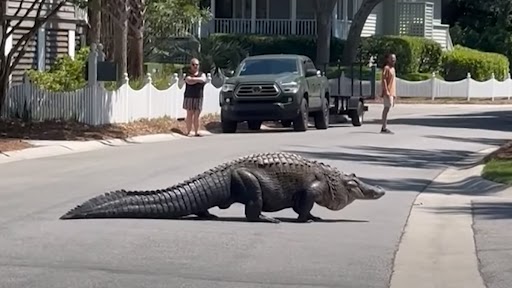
point(414, 54)
point(261, 44)
point(462, 60)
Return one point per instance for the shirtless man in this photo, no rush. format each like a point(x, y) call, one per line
point(388, 90)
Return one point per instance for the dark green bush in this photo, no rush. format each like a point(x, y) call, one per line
point(261, 44)
point(462, 60)
point(419, 76)
point(414, 54)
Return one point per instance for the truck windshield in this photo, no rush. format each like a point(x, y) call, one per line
point(267, 66)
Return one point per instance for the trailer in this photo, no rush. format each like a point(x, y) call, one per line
point(353, 104)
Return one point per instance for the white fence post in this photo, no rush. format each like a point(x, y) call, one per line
point(509, 85)
point(468, 83)
point(434, 92)
point(149, 88)
point(493, 79)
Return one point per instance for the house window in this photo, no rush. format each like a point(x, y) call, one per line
point(279, 9)
point(305, 9)
point(242, 9)
point(261, 9)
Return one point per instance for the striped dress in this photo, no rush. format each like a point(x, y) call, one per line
point(193, 96)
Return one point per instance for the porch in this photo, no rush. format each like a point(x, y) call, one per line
point(280, 17)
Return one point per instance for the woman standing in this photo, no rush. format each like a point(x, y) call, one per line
point(193, 97)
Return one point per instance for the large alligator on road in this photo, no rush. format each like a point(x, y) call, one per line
point(265, 182)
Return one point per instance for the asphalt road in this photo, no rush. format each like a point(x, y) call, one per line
point(353, 248)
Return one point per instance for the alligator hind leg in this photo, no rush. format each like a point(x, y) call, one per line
point(206, 215)
point(248, 189)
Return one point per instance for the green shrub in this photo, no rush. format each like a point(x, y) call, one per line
point(66, 74)
point(419, 76)
point(261, 44)
point(462, 60)
point(414, 54)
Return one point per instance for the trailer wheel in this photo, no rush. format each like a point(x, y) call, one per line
point(357, 115)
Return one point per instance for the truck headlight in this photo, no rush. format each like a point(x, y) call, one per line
point(291, 87)
point(227, 87)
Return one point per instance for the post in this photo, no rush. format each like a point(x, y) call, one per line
point(41, 48)
point(71, 44)
point(294, 16)
point(468, 80)
point(253, 16)
point(433, 79)
point(345, 18)
point(149, 82)
point(493, 78)
point(91, 85)
point(373, 79)
point(93, 65)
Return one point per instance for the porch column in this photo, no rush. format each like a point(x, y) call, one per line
point(71, 43)
point(8, 47)
point(253, 16)
point(41, 48)
point(334, 21)
point(293, 14)
point(211, 26)
point(345, 18)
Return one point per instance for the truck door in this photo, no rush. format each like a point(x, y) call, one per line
point(314, 84)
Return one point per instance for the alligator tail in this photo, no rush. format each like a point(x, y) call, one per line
point(190, 197)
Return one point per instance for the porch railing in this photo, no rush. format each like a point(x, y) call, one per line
point(264, 26)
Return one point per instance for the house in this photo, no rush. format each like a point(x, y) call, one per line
point(61, 35)
point(297, 17)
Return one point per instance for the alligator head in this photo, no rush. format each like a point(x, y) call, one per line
point(363, 191)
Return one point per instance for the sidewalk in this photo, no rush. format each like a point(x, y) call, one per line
point(438, 246)
point(48, 148)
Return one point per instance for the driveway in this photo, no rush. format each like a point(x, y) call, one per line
point(354, 247)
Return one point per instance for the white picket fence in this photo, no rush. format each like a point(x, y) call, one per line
point(433, 88)
point(94, 105)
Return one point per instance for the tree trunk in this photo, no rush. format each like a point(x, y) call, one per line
point(354, 34)
point(95, 20)
point(136, 38)
point(121, 40)
point(4, 85)
point(323, 11)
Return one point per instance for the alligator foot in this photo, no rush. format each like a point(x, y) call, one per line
point(309, 219)
point(314, 218)
point(206, 216)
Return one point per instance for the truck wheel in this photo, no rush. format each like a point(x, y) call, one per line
point(228, 126)
point(286, 123)
point(322, 117)
point(254, 125)
point(300, 123)
point(357, 115)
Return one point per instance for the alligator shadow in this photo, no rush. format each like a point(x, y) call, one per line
point(282, 219)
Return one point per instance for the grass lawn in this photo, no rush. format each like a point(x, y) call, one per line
point(498, 166)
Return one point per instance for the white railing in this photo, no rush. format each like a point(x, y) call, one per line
point(264, 26)
point(433, 88)
point(95, 105)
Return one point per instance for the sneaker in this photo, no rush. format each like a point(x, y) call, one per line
point(386, 131)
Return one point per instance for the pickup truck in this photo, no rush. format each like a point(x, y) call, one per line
point(275, 87)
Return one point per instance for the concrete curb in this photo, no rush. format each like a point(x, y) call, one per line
point(438, 249)
point(49, 148)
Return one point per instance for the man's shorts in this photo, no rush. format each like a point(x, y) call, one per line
point(388, 101)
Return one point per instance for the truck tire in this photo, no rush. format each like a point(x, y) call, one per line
point(254, 125)
point(300, 123)
point(322, 116)
point(357, 115)
point(286, 123)
point(228, 126)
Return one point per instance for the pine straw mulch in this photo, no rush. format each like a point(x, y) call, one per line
point(13, 132)
point(503, 153)
point(426, 100)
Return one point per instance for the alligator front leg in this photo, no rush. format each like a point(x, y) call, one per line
point(248, 189)
point(305, 201)
point(206, 215)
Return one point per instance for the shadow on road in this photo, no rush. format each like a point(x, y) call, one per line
point(489, 120)
point(481, 210)
point(282, 219)
point(395, 157)
point(485, 141)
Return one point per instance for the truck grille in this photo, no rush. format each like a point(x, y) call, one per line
point(252, 90)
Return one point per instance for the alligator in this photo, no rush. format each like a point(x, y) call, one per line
point(263, 182)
